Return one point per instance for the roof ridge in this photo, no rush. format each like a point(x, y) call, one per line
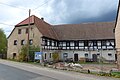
point(84, 23)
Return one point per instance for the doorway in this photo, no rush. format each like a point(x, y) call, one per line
point(75, 57)
point(115, 57)
point(14, 55)
point(94, 57)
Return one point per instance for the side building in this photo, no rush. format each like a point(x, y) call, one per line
point(117, 35)
point(71, 41)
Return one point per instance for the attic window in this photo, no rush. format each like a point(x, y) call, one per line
point(26, 30)
point(19, 31)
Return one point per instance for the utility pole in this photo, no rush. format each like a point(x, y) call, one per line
point(28, 34)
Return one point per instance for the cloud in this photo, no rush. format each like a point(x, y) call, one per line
point(57, 11)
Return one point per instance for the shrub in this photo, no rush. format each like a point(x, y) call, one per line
point(23, 53)
point(55, 56)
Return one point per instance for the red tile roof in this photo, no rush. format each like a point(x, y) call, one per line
point(26, 21)
point(45, 28)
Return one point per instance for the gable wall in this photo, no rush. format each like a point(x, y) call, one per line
point(33, 34)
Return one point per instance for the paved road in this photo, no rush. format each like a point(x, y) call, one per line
point(21, 71)
point(11, 73)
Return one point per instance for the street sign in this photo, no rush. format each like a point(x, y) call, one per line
point(38, 56)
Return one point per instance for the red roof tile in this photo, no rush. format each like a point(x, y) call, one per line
point(26, 21)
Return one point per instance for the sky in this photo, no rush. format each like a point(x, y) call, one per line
point(57, 11)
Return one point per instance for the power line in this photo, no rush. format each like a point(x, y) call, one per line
point(12, 6)
point(41, 5)
point(6, 24)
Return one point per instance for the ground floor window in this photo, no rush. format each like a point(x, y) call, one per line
point(50, 55)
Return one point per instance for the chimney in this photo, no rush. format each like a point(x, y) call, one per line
point(42, 18)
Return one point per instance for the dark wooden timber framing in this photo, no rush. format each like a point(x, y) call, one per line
point(83, 45)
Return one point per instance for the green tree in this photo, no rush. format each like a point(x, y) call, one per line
point(23, 55)
point(32, 50)
point(3, 43)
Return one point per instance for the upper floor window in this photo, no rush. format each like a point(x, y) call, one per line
point(72, 44)
point(27, 30)
point(19, 31)
point(15, 42)
point(103, 43)
point(99, 43)
point(90, 43)
point(86, 43)
point(64, 43)
point(95, 43)
point(22, 42)
point(81, 43)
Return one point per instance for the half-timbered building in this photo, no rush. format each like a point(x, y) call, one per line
point(71, 41)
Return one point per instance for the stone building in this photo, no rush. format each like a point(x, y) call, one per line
point(117, 36)
point(76, 41)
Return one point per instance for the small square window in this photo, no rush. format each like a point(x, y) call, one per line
point(15, 42)
point(86, 55)
point(19, 31)
point(22, 42)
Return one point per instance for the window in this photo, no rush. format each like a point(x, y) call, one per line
point(99, 43)
point(90, 43)
point(45, 55)
point(68, 44)
point(27, 30)
point(64, 43)
point(103, 43)
point(22, 42)
point(19, 31)
point(76, 43)
point(15, 42)
point(86, 43)
point(30, 41)
point(95, 43)
point(50, 55)
point(86, 55)
point(109, 54)
point(72, 44)
point(65, 55)
point(81, 43)
point(50, 43)
point(98, 54)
